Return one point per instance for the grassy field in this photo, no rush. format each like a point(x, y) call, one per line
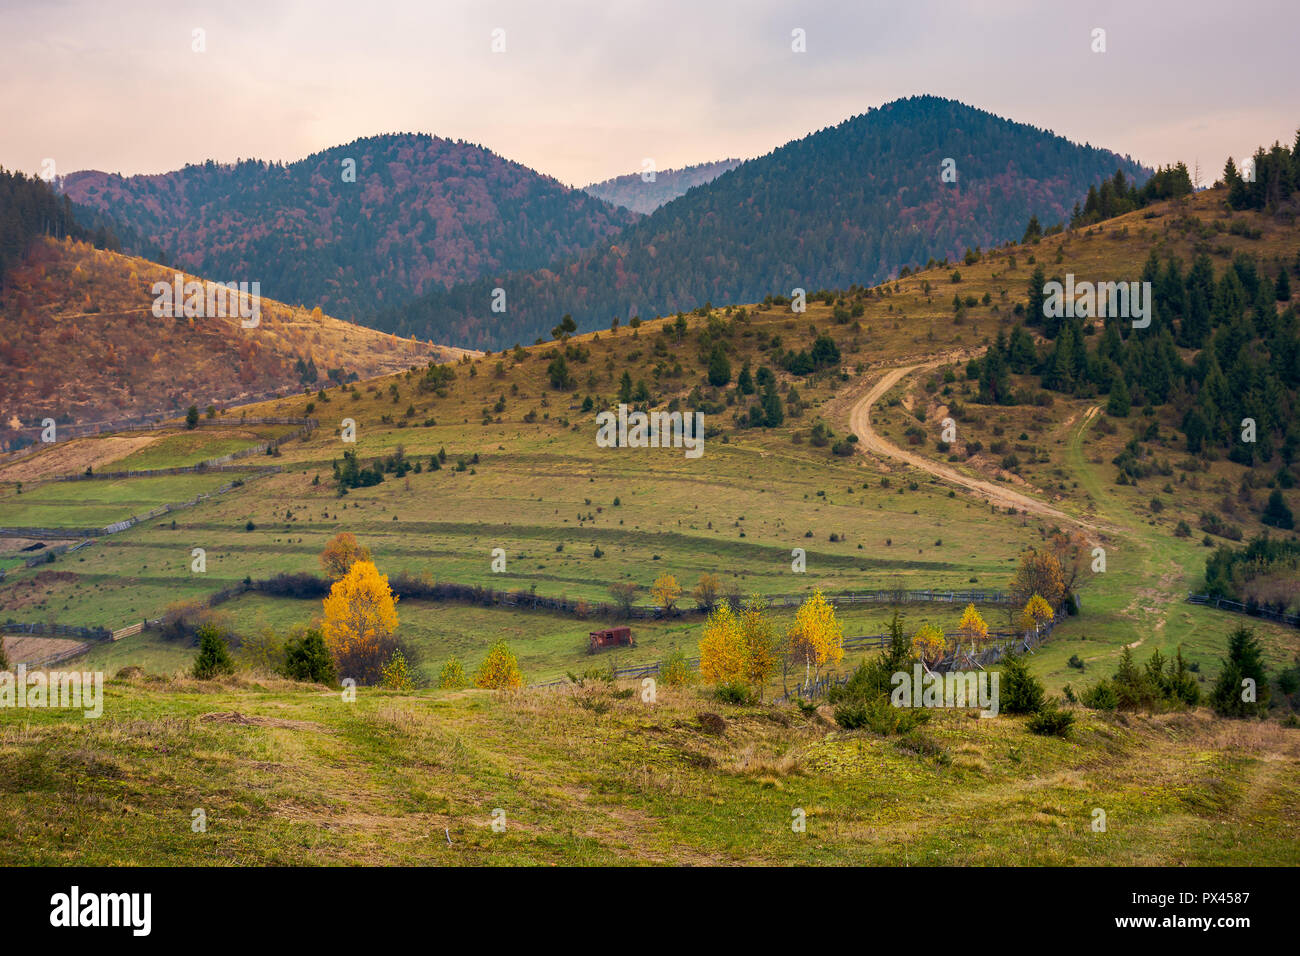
point(595, 776)
point(573, 518)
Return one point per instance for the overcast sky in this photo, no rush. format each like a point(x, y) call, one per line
point(586, 90)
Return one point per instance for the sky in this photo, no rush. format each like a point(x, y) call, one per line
point(588, 90)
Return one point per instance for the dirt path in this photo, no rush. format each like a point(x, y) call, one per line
point(860, 422)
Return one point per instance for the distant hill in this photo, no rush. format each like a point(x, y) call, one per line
point(423, 212)
point(79, 342)
point(848, 204)
point(633, 192)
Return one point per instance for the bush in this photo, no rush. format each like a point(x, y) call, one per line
point(674, 671)
point(396, 675)
point(1050, 722)
point(880, 716)
point(1101, 697)
point(452, 675)
point(735, 692)
point(306, 658)
point(1020, 691)
point(214, 656)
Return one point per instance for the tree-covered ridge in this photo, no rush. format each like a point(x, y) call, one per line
point(29, 209)
point(848, 204)
point(423, 212)
point(634, 192)
point(1221, 349)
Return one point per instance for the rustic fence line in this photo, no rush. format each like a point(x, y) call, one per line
point(1251, 610)
point(977, 655)
point(51, 629)
point(115, 527)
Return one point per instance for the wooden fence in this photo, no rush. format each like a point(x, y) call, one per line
point(1251, 610)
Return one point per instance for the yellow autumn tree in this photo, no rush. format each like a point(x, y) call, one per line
point(499, 670)
point(452, 675)
point(722, 650)
point(759, 641)
point(816, 638)
point(1036, 613)
point(972, 626)
point(666, 591)
point(929, 643)
point(360, 623)
point(707, 590)
point(341, 553)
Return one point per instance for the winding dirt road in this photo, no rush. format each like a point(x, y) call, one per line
point(860, 422)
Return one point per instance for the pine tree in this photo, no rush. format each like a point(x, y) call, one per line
point(1244, 663)
point(214, 656)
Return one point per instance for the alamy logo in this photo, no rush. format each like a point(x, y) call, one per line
point(1106, 300)
point(954, 689)
point(208, 300)
point(67, 690)
point(651, 430)
point(132, 910)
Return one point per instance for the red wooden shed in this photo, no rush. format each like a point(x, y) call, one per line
point(610, 637)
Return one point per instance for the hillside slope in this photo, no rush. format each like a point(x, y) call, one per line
point(634, 192)
point(844, 206)
point(79, 343)
point(422, 212)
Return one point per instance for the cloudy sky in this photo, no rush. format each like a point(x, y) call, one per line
point(586, 90)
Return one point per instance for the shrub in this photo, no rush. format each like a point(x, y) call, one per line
point(1101, 697)
point(734, 692)
point(214, 656)
point(499, 670)
point(452, 675)
point(396, 675)
point(1019, 690)
point(1051, 722)
point(306, 658)
point(879, 716)
point(675, 671)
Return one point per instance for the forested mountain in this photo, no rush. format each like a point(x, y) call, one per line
point(848, 204)
point(634, 192)
point(422, 212)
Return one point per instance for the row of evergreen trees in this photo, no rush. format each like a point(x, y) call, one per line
point(1247, 366)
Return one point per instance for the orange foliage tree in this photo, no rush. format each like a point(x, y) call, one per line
point(360, 623)
point(341, 553)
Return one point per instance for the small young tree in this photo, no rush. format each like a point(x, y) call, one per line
point(1019, 691)
point(817, 637)
point(452, 675)
point(341, 553)
point(972, 627)
point(624, 593)
point(1035, 614)
point(758, 637)
point(397, 676)
point(306, 658)
point(929, 644)
point(4, 657)
point(722, 650)
point(192, 417)
point(499, 670)
point(665, 592)
point(706, 591)
point(214, 656)
point(1242, 688)
point(360, 621)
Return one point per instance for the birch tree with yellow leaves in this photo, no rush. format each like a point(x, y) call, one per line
point(1036, 613)
point(722, 649)
point(972, 626)
point(360, 623)
point(816, 637)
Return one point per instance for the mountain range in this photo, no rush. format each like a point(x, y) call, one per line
point(430, 229)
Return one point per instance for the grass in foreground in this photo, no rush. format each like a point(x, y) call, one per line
point(594, 776)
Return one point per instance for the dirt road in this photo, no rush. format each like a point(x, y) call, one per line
point(872, 442)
